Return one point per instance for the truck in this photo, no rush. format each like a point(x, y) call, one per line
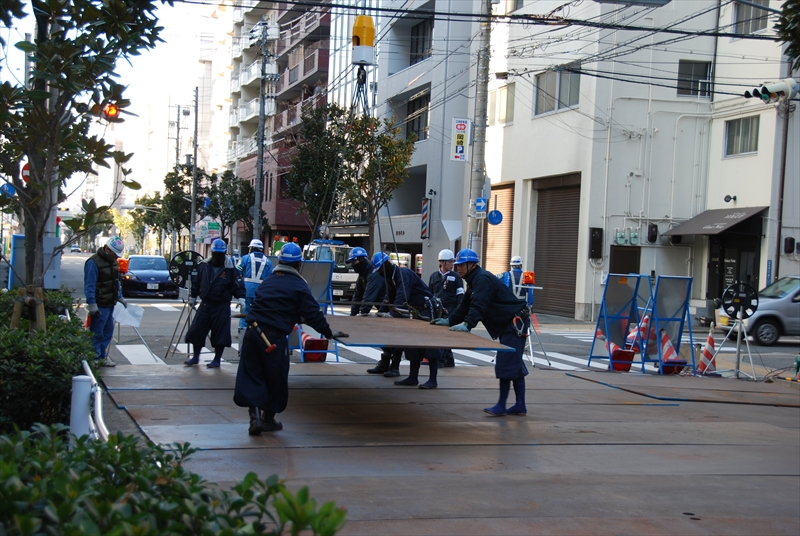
point(343, 283)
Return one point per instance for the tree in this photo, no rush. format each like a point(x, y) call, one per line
point(176, 205)
point(123, 223)
point(229, 200)
point(341, 159)
point(788, 28)
point(47, 118)
point(152, 218)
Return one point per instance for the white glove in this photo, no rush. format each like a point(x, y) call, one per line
point(124, 302)
point(192, 302)
point(242, 304)
point(92, 309)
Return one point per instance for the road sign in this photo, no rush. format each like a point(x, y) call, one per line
point(7, 190)
point(495, 217)
point(480, 204)
point(253, 211)
point(26, 172)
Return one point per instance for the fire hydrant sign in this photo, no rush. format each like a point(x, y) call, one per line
point(460, 136)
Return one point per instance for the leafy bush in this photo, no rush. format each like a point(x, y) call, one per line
point(121, 488)
point(55, 301)
point(36, 371)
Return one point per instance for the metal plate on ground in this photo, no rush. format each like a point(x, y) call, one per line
point(407, 333)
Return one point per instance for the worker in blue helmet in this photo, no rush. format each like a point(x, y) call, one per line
point(405, 290)
point(369, 285)
point(504, 316)
point(216, 284)
point(282, 300)
point(255, 267)
point(513, 280)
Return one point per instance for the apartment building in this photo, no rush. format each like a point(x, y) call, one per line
point(615, 151)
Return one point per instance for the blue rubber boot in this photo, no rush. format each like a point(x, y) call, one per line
point(433, 365)
point(196, 359)
point(217, 356)
point(413, 376)
point(519, 392)
point(499, 409)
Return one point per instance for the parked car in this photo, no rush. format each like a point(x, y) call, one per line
point(778, 313)
point(74, 248)
point(147, 276)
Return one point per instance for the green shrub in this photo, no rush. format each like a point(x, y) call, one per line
point(36, 371)
point(55, 301)
point(121, 488)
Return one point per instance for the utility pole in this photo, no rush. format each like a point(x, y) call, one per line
point(194, 177)
point(263, 38)
point(478, 177)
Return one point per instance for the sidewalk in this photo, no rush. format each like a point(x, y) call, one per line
point(598, 453)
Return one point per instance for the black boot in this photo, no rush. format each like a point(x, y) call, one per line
point(381, 367)
point(413, 376)
point(394, 367)
point(255, 422)
point(268, 422)
point(433, 366)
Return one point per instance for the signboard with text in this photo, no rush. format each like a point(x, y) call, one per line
point(460, 137)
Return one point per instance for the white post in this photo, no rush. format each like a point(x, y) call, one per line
point(79, 414)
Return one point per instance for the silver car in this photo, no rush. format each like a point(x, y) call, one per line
point(778, 312)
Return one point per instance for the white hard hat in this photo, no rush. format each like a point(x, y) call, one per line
point(115, 244)
point(256, 243)
point(516, 260)
point(446, 255)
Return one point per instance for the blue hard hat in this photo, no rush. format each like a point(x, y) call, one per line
point(466, 255)
point(290, 253)
point(357, 253)
point(378, 259)
point(219, 246)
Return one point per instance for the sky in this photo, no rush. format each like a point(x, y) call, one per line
point(155, 80)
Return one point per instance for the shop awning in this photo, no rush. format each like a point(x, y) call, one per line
point(712, 222)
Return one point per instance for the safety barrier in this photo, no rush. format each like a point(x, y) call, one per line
point(81, 419)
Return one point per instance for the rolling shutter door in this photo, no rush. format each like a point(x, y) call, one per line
point(555, 264)
point(497, 245)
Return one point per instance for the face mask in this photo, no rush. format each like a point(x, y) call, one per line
point(217, 259)
point(361, 268)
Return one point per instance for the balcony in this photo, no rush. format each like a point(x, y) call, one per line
point(291, 116)
point(249, 112)
point(235, 86)
point(251, 75)
point(238, 15)
point(236, 48)
point(242, 148)
point(313, 69)
point(300, 28)
point(233, 118)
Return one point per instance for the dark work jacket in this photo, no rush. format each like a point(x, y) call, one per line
point(487, 300)
point(369, 290)
point(107, 286)
point(220, 287)
point(448, 287)
point(402, 281)
point(282, 300)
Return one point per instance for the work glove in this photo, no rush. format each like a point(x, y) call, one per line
point(242, 304)
point(124, 302)
point(92, 309)
point(440, 321)
point(193, 302)
point(336, 334)
point(460, 327)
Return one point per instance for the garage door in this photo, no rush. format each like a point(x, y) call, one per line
point(555, 263)
point(498, 237)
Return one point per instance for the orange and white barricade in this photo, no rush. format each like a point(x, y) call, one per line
point(707, 358)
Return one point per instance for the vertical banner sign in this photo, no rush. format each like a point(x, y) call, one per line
point(460, 136)
point(426, 205)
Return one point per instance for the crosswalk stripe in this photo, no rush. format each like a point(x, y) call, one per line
point(167, 308)
point(138, 354)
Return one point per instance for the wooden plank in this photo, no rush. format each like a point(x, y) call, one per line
point(407, 333)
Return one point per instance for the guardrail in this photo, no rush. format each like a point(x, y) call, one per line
point(81, 421)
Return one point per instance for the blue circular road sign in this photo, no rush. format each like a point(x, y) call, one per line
point(495, 217)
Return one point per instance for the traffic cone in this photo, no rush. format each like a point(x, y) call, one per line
point(668, 352)
point(707, 358)
point(311, 343)
point(638, 334)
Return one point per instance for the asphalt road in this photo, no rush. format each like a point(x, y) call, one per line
point(565, 342)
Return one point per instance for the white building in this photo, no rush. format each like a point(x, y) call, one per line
point(601, 142)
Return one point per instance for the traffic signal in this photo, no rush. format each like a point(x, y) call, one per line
point(111, 111)
point(776, 92)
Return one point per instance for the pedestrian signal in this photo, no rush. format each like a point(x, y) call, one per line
point(111, 111)
point(776, 92)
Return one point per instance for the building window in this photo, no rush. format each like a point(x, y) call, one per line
point(501, 105)
point(417, 117)
point(741, 136)
point(556, 90)
point(749, 19)
point(694, 78)
point(421, 41)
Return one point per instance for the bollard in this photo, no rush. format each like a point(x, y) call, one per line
point(80, 412)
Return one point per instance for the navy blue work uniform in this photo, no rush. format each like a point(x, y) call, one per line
point(369, 288)
point(282, 300)
point(448, 287)
point(489, 301)
point(216, 286)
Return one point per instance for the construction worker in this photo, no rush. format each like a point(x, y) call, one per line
point(282, 300)
point(406, 291)
point(369, 285)
point(217, 282)
point(504, 316)
point(236, 258)
point(102, 289)
point(513, 280)
point(254, 267)
point(448, 286)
